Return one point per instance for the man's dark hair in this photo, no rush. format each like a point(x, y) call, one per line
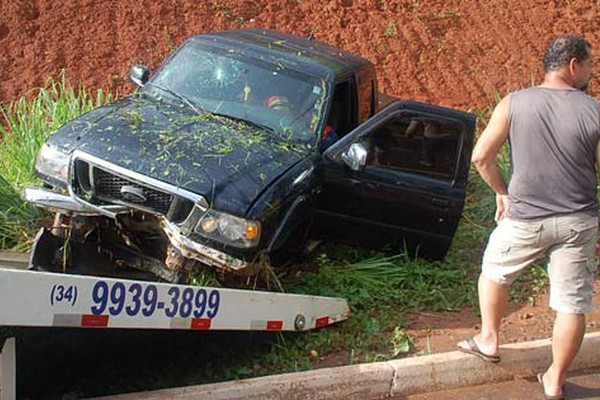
point(562, 49)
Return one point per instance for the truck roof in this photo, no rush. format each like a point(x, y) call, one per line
point(292, 48)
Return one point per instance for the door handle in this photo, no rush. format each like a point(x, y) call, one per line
point(440, 202)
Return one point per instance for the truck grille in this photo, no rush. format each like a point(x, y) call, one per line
point(108, 186)
point(100, 186)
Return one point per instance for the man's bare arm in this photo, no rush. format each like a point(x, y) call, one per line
point(486, 152)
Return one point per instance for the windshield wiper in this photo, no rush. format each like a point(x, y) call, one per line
point(246, 121)
point(181, 97)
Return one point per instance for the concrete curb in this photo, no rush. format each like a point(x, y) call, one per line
point(388, 379)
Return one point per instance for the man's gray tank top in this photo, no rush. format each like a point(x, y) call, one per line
point(553, 137)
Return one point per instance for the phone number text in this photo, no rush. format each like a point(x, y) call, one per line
point(134, 299)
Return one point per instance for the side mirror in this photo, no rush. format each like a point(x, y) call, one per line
point(355, 157)
point(139, 75)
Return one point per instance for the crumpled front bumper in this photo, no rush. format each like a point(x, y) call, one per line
point(63, 203)
point(200, 252)
point(70, 205)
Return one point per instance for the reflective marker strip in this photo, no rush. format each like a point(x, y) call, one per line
point(77, 320)
point(101, 321)
point(269, 325)
point(191, 323)
point(66, 320)
point(179, 323)
point(323, 321)
point(201, 323)
point(93, 321)
point(257, 324)
point(274, 325)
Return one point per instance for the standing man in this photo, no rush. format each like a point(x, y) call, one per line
point(549, 206)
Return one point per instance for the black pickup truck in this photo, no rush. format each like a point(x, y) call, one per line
point(241, 148)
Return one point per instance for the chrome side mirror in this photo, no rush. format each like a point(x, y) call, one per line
point(139, 75)
point(355, 157)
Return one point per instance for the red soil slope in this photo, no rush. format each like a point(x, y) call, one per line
point(458, 53)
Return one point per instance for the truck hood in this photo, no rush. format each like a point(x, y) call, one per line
point(227, 161)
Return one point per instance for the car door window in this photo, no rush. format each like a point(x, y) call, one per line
point(409, 192)
point(422, 144)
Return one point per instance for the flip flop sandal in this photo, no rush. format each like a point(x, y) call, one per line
point(540, 378)
point(474, 350)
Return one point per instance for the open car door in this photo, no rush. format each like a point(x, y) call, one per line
point(399, 179)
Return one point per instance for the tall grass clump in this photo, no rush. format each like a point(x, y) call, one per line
point(25, 124)
point(409, 283)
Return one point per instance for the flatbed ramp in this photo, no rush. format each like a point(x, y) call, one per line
point(44, 299)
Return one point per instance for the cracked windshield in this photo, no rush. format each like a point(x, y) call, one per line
point(270, 96)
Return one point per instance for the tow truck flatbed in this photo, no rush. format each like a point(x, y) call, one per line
point(44, 299)
point(47, 299)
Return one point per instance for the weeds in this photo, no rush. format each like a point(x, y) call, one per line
point(400, 342)
point(411, 283)
point(26, 124)
point(24, 127)
point(18, 219)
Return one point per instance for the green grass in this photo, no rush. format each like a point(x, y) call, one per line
point(376, 278)
point(24, 126)
point(18, 220)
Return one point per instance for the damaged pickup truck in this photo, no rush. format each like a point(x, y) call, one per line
point(243, 147)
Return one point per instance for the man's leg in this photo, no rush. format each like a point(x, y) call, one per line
point(493, 299)
point(567, 336)
point(572, 271)
point(512, 247)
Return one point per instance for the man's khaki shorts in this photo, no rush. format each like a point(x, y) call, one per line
point(570, 241)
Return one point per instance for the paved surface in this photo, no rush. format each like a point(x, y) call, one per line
point(585, 385)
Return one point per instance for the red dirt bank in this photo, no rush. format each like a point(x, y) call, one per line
point(454, 52)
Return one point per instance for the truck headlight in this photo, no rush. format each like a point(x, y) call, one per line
point(228, 229)
point(52, 163)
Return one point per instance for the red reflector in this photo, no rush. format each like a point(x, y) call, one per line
point(323, 321)
point(100, 321)
point(201, 323)
point(274, 325)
